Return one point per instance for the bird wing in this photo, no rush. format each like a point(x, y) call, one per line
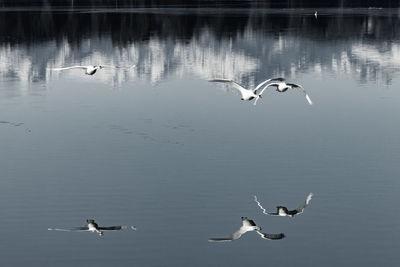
point(75, 229)
point(111, 228)
point(233, 83)
point(268, 85)
point(266, 81)
point(301, 208)
point(72, 67)
point(302, 90)
point(235, 235)
point(118, 67)
point(263, 209)
point(271, 236)
point(227, 239)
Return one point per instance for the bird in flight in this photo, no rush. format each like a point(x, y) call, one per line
point(282, 86)
point(92, 226)
point(283, 211)
point(247, 226)
point(91, 69)
point(248, 94)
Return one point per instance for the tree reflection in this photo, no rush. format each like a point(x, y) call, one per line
point(247, 47)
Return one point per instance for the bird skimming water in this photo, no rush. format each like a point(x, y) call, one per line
point(90, 69)
point(248, 94)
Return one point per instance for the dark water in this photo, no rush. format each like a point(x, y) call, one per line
point(161, 148)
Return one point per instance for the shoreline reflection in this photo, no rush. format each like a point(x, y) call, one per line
point(244, 47)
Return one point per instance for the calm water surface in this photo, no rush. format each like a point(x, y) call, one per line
point(161, 148)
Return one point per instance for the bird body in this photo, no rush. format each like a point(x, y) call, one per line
point(90, 70)
point(248, 226)
point(247, 94)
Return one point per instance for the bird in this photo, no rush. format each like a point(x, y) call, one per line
point(247, 226)
point(282, 86)
point(90, 69)
point(248, 94)
point(283, 211)
point(92, 226)
point(316, 14)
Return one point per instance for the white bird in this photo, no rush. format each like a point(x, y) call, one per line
point(316, 14)
point(283, 211)
point(91, 69)
point(92, 226)
point(248, 94)
point(282, 86)
point(247, 226)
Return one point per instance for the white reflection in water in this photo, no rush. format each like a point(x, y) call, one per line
point(240, 57)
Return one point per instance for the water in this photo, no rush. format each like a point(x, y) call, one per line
point(161, 148)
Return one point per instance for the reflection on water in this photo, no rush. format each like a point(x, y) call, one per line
point(182, 160)
point(247, 47)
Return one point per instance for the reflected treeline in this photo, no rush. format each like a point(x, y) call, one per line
point(247, 47)
point(202, 3)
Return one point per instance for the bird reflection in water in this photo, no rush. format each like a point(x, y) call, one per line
point(247, 226)
point(283, 211)
point(92, 226)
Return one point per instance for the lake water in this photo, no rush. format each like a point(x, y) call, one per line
point(180, 158)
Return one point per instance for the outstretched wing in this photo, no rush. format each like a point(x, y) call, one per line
point(118, 67)
point(69, 68)
point(271, 236)
point(227, 239)
point(113, 228)
point(235, 235)
point(266, 81)
point(301, 208)
point(268, 85)
point(263, 209)
point(302, 90)
point(233, 83)
point(75, 229)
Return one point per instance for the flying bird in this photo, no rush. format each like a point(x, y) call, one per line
point(248, 94)
point(247, 226)
point(91, 69)
point(283, 211)
point(92, 226)
point(282, 86)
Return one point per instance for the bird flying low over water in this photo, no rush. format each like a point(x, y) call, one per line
point(283, 211)
point(91, 69)
point(247, 226)
point(282, 86)
point(248, 94)
point(92, 226)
